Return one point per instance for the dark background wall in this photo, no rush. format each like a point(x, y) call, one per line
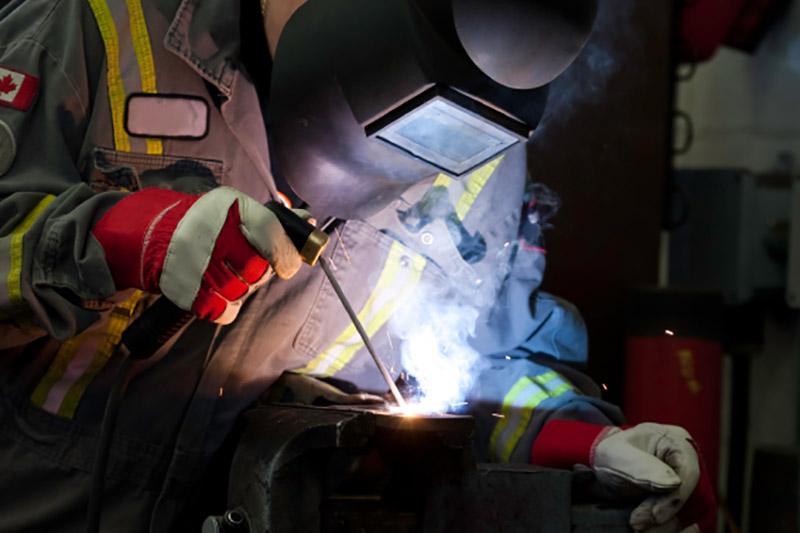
point(604, 147)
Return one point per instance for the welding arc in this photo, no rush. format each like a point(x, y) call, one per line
point(361, 331)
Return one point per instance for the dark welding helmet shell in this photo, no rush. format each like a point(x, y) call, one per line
point(522, 44)
point(345, 69)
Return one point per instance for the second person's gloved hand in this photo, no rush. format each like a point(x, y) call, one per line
point(660, 462)
point(206, 252)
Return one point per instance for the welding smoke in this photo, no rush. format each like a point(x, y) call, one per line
point(587, 81)
point(436, 353)
point(438, 321)
point(435, 326)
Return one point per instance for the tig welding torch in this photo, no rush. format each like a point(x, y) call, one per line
point(161, 321)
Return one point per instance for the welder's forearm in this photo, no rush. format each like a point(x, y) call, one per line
point(50, 263)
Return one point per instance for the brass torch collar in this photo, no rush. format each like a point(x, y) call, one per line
point(315, 244)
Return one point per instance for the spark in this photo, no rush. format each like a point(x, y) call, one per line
point(341, 244)
point(220, 392)
point(506, 245)
point(389, 337)
point(498, 415)
point(508, 357)
point(669, 332)
point(604, 387)
point(459, 404)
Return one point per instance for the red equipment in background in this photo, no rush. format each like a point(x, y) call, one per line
point(673, 367)
point(705, 25)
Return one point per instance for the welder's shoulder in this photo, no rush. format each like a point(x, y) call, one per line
point(58, 28)
point(54, 43)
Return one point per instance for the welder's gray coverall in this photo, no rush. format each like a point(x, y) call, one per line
point(68, 157)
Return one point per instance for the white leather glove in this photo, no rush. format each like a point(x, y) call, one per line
point(653, 457)
point(659, 462)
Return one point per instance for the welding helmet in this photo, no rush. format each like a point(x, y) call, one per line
point(369, 97)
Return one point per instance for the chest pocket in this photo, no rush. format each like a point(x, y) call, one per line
point(115, 170)
point(135, 162)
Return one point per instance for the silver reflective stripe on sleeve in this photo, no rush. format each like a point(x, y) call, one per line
point(79, 360)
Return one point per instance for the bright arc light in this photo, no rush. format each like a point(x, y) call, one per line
point(410, 410)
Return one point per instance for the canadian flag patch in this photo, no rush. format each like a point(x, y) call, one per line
point(17, 89)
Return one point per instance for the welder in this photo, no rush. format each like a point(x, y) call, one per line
point(135, 162)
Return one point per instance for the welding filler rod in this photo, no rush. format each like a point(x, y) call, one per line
point(361, 331)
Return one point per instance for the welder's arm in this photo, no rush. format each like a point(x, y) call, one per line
point(660, 463)
point(49, 264)
point(205, 252)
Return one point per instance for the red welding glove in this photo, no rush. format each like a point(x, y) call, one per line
point(206, 252)
point(654, 459)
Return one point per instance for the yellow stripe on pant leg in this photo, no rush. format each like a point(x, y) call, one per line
point(118, 322)
point(57, 369)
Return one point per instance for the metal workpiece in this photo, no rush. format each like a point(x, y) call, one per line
point(365, 469)
point(296, 467)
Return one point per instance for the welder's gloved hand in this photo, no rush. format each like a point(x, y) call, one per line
point(308, 390)
point(658, 462)
point(205, 252)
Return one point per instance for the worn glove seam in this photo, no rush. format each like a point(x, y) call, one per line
point(146, 241)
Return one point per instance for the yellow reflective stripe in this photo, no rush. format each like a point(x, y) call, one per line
point(13, 282)
point(118, 323)
point(116, 90)
point(473, 187)
point(66, 353)
point(141, 44)
point(154, 146)
point(387, 276)
point(442, 180)
point(144, 56)
point(389, 293)
point(502, 450)
point(527, 411)
point(525, 417)
point(561, 389)
point(381, 317)
point(505, 410)
point(544, 379)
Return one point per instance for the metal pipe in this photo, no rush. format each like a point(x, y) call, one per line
point(361, 331)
